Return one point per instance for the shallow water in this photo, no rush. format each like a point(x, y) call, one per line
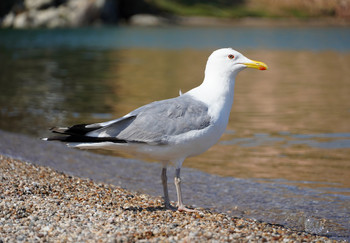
point(289, 130)
point(280, 38)
point(290, 122)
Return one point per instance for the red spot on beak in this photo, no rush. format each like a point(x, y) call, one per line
point(262, 68)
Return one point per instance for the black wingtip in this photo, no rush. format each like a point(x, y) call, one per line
point(78, 133)
point(83, 139)
point(80, 129)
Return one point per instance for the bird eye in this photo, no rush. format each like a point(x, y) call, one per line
point(231, 56)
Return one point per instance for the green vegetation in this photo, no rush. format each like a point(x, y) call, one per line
point(245, 8)
point(225, 9)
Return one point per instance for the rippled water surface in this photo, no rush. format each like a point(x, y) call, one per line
point(289, 126)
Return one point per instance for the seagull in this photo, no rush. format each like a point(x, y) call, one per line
point(170, 130)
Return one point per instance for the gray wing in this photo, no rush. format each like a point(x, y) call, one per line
point(156, 122)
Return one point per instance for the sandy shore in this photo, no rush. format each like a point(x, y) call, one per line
point(40, 204)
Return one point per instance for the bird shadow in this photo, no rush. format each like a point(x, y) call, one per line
point(149, 209)
point(152, 208)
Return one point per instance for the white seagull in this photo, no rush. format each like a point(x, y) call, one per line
point(170, 130)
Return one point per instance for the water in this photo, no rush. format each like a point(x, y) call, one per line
point(285, 155)
point(304, 38)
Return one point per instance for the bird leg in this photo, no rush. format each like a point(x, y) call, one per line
point(180, 205)
point(165, 188)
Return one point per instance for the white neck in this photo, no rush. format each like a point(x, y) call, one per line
point(217, 92)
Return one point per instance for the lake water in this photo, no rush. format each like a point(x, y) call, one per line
point(289, 126)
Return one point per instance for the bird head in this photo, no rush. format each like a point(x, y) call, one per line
point(227, 61)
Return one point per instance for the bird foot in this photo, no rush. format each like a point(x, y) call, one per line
point(182, 208)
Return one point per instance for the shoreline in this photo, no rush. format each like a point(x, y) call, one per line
point(39, 203)
point(71, 13)
point(202, 21)
point(150, 20)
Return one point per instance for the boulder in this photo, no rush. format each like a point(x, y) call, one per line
point(83, 12)
point(61, 13)
point(147, 20)
point(343, 9)
point(8, 20)
point(21, 21)
point(50, 18)
point(38, 4)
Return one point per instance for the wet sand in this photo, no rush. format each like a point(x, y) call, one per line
point(41, 204)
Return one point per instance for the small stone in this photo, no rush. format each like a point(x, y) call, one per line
point(27, 189)
point(208, 235)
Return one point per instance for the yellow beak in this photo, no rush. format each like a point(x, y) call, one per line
point(256, 64)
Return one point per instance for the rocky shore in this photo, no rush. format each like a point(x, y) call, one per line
point(56, 14)
point(24, 14)
point(40, 204)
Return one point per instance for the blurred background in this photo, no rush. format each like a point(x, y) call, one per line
point(64, 62)
point(73, 13)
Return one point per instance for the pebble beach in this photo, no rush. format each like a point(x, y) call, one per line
point(39, 204)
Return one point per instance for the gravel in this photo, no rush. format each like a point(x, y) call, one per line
point(39, 204)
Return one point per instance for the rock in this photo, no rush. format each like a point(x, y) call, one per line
point(63, 13)
point(38, 4)
point(21, 21)
point(83, 12)
point(147, 20)
point(50, 18)
point(343, 9)
point(8, 20)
